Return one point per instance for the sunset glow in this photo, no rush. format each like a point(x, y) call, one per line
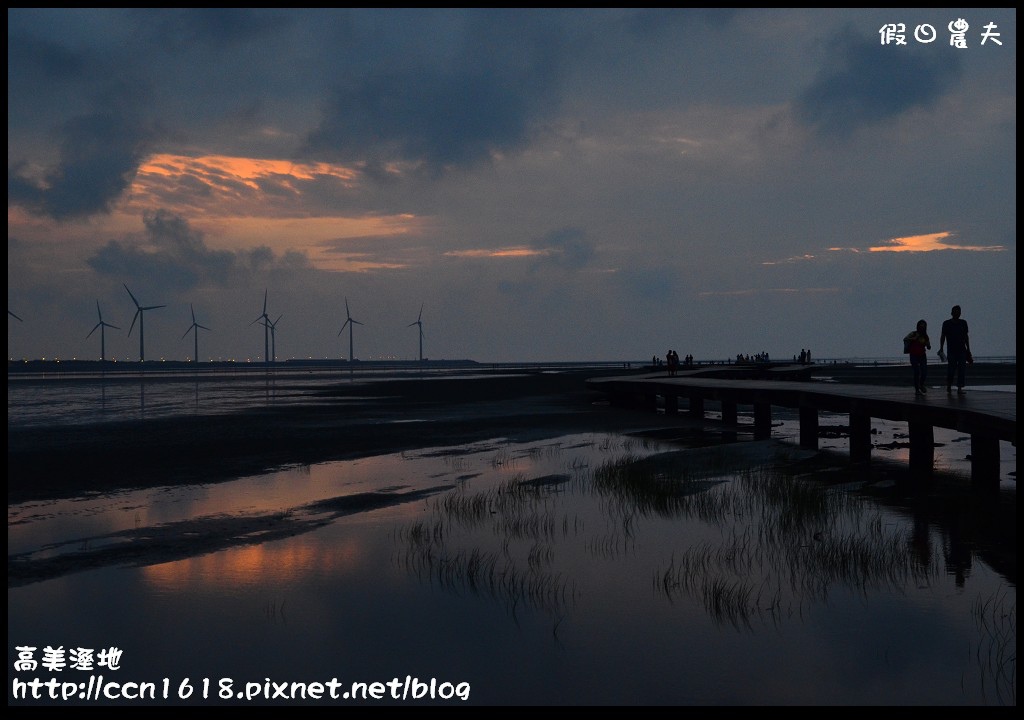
point(470, 162)
point(511, 252)
point(930, 243)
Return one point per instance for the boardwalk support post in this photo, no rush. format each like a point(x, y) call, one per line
point(762, 420)
point(860, 437)
point(922, 450)
point(671, 404)
point(808, 428)
point(984, 462)
point(696, 406)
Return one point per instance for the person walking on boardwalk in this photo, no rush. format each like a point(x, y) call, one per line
point(957, 342)
point(918, 343)
point(672, 359)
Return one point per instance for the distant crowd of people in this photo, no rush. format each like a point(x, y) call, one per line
point(761, 357)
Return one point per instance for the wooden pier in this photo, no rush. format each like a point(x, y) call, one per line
point(987, 416)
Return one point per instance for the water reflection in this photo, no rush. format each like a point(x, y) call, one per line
point(605, 569)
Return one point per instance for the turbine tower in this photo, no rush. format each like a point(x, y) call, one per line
point(266, 329)
point(140, 316)
point(194, 327)
point(103, 332)
point(349, 321)
point(273, 338)
point(419, 321)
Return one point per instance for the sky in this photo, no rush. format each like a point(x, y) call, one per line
point(519, 185)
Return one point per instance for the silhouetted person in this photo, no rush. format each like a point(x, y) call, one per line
point(918, 343)
point(958, 348)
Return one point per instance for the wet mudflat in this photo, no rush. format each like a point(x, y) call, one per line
point(562, 562)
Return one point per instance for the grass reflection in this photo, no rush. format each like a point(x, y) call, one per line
point(751, 535)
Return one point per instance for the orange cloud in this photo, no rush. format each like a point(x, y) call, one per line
point(515, 252)
point(765, 291)
point(241, 202)
point(248, 169)
point(217, 185)
point(930, 243)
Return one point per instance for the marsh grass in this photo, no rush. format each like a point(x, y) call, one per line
point(793, 540)
point(785, 541)
point(519, 513)
point(652, 485)
point(996, 650)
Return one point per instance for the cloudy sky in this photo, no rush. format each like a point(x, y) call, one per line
point(542, 185)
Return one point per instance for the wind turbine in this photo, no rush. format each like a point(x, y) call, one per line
point(266, 329)
point(273, 339)
point(419, 321)
point(350, 322)
point(140, 316)
point(194, 327)
point(103, 332)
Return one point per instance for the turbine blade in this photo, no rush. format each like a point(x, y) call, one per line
point(98, 311)
point(187, 332)
point(14, 316)
point(202, 326)
point(134, 318)
point(94, 329)
point(193, 312)
point(131, 296)
point(153, 307)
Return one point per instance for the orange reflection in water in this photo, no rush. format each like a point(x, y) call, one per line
point(287, 562)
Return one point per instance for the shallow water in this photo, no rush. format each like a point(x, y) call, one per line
point(589, 569)
point(87, 398)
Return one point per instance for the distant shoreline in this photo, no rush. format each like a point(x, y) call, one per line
point(853, 368)
point(340, 422)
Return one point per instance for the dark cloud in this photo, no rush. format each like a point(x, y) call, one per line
point(185, 28)
point(99, 155)
point(31, 61)
point(567, 248)
point(649, 284)
point(865, 83)
point(645, 23)
point(493, 78)
point(174, 257)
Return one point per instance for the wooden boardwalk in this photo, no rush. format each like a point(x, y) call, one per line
point(987, 416)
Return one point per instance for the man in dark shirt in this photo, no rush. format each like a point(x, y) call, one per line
point(958, 345)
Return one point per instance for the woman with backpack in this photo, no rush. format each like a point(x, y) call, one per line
point(915, 344)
